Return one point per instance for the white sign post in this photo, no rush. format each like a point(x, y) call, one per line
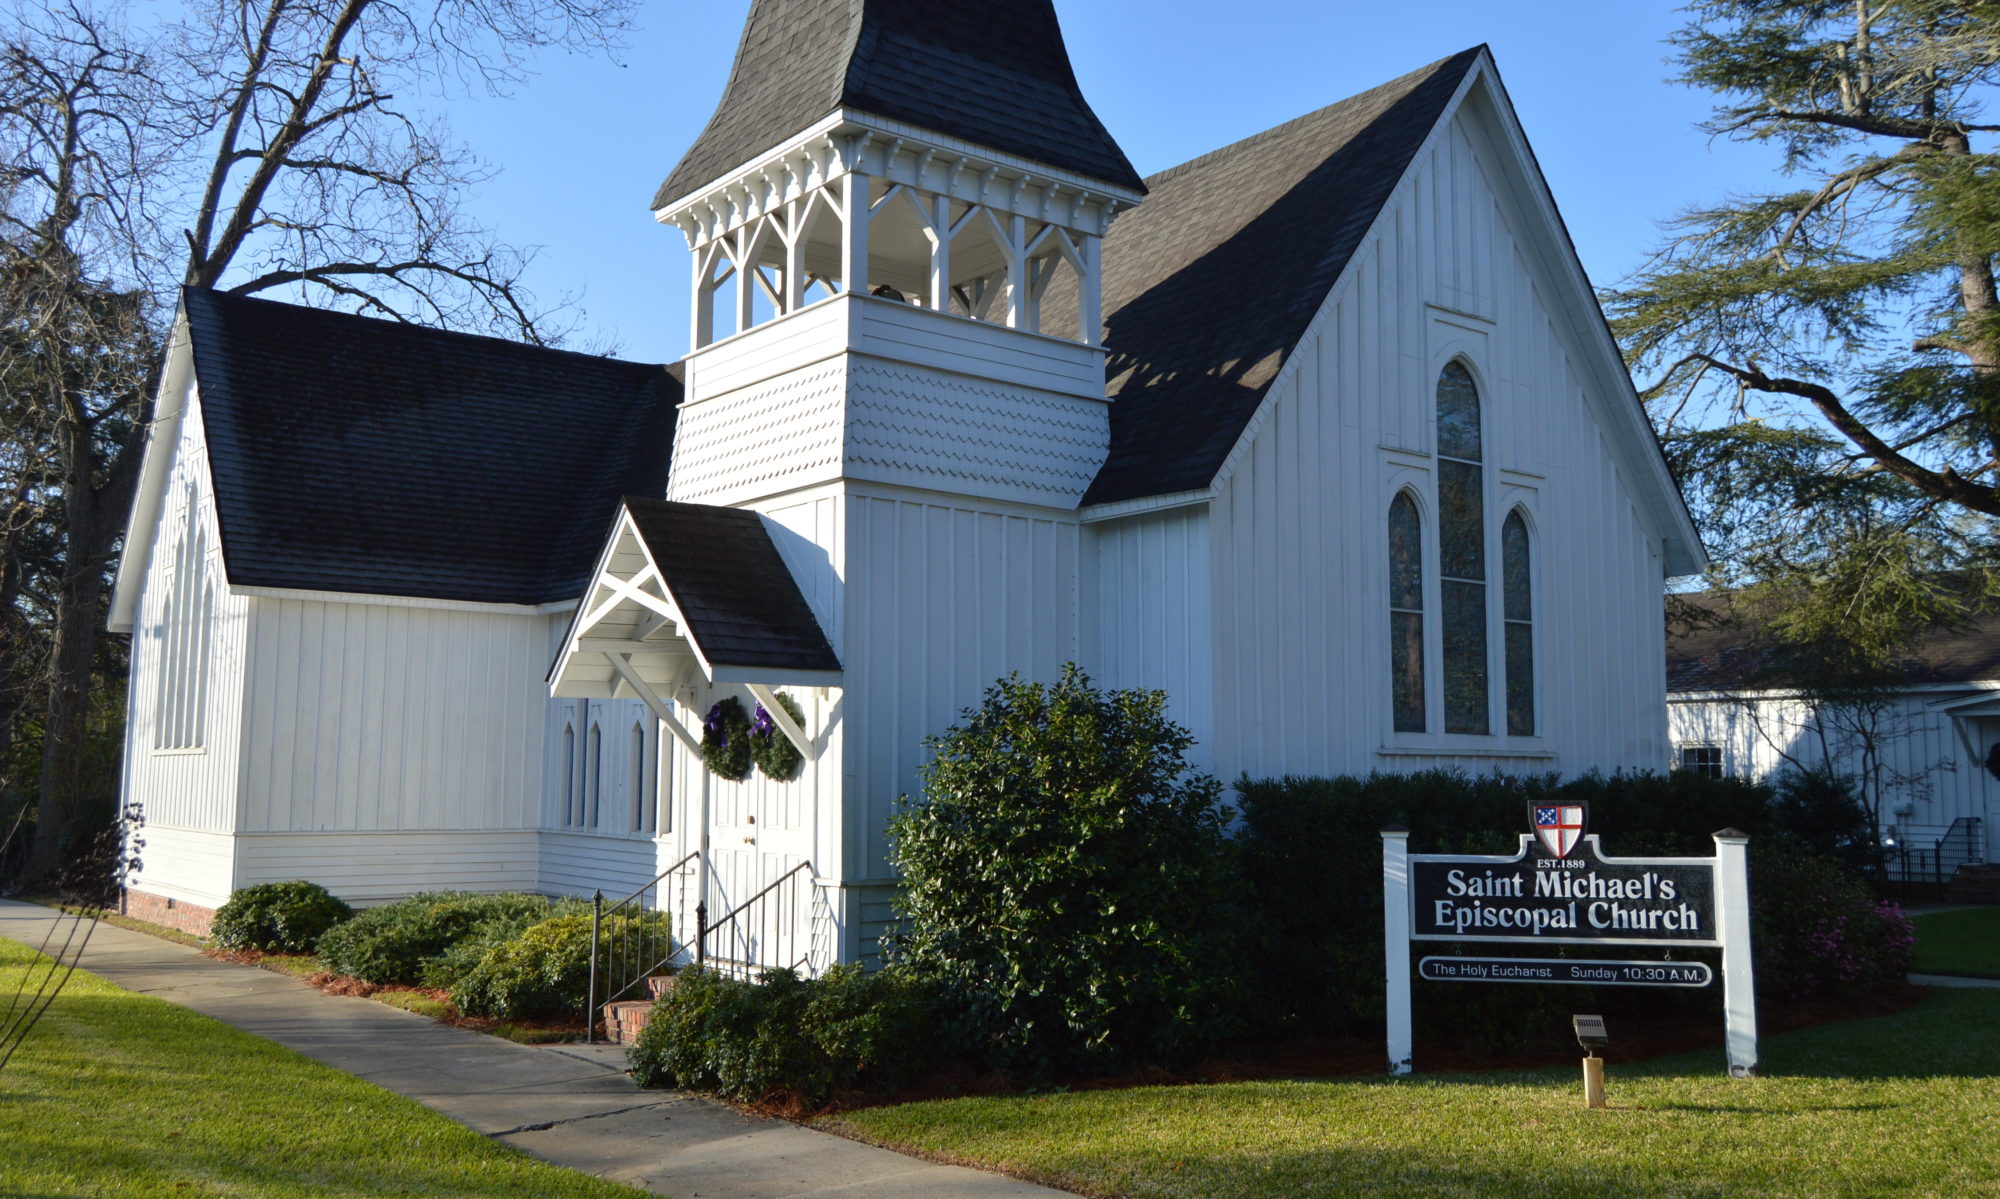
point(1561, 889)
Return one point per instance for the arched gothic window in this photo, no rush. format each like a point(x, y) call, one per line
point(1516, 596)
point(1406, 612)
point(569, 774)
point(1462, 553)
point(642, 791)
point(180, 714)
point(593, 765)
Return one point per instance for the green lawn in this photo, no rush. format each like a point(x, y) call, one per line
point(1965, 943)
point(1902, 1105)
point(115, 1094)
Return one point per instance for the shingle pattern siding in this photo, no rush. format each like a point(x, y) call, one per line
point(1212, 281)
point(742, 606)
point(995, 74)
point(360, 455)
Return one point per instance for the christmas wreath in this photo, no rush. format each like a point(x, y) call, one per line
point(776, 756)
point(726, 741)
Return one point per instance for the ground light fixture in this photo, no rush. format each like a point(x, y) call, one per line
point(1591, 1035)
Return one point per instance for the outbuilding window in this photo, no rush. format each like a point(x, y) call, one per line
point(1517, 600)
point(180, 714)
point(1406, 612)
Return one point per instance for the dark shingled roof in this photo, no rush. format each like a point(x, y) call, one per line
point(994, 73)
point(1727, 647)
point(1210, 283)
point(366, 456)
point(743, 607)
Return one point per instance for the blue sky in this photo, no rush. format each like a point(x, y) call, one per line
point(582, 146)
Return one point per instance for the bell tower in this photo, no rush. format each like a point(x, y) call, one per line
point(895, 215)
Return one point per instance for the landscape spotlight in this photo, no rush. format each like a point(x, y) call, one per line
point(1590, 1032)
point(1591, 1035)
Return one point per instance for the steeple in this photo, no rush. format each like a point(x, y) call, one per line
point(987, 73)
point(936, 153)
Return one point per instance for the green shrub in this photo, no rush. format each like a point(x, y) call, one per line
point(277, 917)
point(400, 942)
point(789, 1037)
point(1061, 879)
point(1816, 928)
point(544, 973)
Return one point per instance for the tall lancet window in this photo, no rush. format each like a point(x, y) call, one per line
point(1462, 552)
point(180, 711)
point(1517, 597)
point(1406, 613)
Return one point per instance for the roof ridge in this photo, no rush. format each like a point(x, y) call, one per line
point(376, 323)
point(1410, 78)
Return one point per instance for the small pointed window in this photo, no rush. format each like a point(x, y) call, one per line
point(593, 765)
point(1516, 593)
point(642, 790)
point(569, 775)
point(180, 710)
point(1406, 613)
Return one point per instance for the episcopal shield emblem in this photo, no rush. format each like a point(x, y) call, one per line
point(1560, 826)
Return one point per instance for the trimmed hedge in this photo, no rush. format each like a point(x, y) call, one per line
point(408, 941)
point(1312, 865)
point(788, 1037)
point(544, 973)
point(277, 917)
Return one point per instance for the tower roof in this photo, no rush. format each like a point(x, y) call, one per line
point(993, 73)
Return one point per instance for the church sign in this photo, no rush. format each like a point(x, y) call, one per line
point(1560, 888)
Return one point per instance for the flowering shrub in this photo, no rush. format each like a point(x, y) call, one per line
point(1817, 928)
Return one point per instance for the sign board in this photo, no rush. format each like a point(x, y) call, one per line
point(1566, 970)
point(1560, 888)
point(1583, 898)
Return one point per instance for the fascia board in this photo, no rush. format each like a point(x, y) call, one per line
point(1684, 552)
point(156, 466)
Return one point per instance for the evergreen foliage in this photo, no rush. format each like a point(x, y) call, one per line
point(544, 973)
point(401, 942)
point(1825, 358)
point(774, 752)
point(787, 1037)
point(277, 917)
point(1062, 879)
point(725, 740)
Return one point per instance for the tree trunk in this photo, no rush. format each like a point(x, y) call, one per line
point(62, 804)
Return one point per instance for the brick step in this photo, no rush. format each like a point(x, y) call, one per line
point(624, 1019)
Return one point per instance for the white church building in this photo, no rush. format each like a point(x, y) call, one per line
point(1323, 433)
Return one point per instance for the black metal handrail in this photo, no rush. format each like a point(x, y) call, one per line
point(754, 935)
point(639, 946)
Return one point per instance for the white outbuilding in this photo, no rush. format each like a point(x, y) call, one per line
point(1323, 433)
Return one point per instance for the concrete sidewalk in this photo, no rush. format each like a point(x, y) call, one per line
point(570, 1105)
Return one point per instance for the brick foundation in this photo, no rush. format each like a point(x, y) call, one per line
point(176, 914)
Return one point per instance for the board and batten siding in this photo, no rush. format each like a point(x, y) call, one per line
point(377, 717)
point(1149, 620)
point(1933, 762)
point(185, 780)
point(1298, 529)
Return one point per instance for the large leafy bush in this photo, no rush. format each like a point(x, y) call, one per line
point(544, 973)
point(404, 942)
point(1062, 875)
point(277, 917)
point(787, 1037)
